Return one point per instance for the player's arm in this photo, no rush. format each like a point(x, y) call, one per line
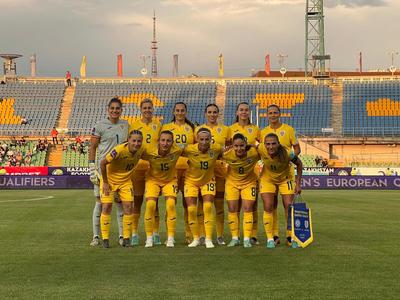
point(299, 168)
point(94, 143)
point(296, 149)
point(103, 168)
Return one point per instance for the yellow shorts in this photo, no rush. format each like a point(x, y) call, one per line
point(192, 190)
point(245, 192)
point(285, 187)
point(124, 191)
point(153, 188)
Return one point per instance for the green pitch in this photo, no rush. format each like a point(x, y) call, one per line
point(45, 253)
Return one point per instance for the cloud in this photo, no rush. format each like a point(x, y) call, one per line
point(356, 3)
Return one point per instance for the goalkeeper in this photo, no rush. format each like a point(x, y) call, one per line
point(106, 134)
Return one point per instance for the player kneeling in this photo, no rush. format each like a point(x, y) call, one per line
point(200, 179)
point(116, 169)
point(241, 183)
point(161, 178)
point(276, 176)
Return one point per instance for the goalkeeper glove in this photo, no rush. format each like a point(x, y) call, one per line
point(94, 175)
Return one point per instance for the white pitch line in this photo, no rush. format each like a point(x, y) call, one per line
point(27, 200)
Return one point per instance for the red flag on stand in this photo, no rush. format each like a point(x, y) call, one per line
point(119, 65)
point(267, 65)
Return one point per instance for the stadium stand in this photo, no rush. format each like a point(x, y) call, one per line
point(27, 153)
point(75, 154)
point(91, 99)
point(28, 107)
point(371, 108)
point(305, 106)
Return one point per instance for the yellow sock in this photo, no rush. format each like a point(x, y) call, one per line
point(275, 222)
point(233, 222)
point(200, 218)
point(156, 223)
point(149, 217)
point(247, 224)
point(135, 223)
point(219, 215)
point(192, 219)
point(268, 226)
point(171, 216)
point(254, 231)
point(105, 221)
point(127, 226)
point(208, 219)
point(188, 233)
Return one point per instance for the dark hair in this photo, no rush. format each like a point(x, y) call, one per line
point(135, 131)
point(239, 136)
point(282, 153)
point(115, 100)
point(187, 121)
point(274, 105)
point(212, 105)
point(167, 132)
point(204, 129)
point(146, 100)
point(237, 107)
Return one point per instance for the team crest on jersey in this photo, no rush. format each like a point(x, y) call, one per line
point(250, 130)
point(219, 130)
point(249, 160)
point(282, 133)
point(154, 127)
point(211, 153)
point(114, 153)
point(187, 128)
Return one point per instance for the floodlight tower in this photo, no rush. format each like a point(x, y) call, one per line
point(315, 36)
point(154, 72)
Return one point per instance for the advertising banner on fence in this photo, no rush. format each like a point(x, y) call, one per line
point(24, 171)
point(73, 171)
point(309, 182)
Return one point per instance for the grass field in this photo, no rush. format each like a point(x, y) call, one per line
point(45, 254)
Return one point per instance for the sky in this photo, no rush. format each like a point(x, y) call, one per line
point(60, 32)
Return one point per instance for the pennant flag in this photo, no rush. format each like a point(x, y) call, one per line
point(221, 66)
point(119, 65)
point(83, 67)
point(267, 65)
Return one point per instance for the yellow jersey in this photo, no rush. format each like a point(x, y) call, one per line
point(251, 132)
point(150, 131)
point(121, 163)
point(201, 165)
point(219, 133)
point(162, 168)
point(273, 169)
point(286, 134)
point(183, 134)
point(241, 170)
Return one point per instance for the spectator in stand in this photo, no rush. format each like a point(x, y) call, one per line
point(81, 148)
point(13, 142)
point(324, 162)
point(54, 135)
point(317, 160)
point(68, 78)
point(28, 158)
point(22, 141)
point(78, 140)
point(24, 121)
point(18, 157)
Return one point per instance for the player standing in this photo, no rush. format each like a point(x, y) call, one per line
point(200, 179)
point(252, 133)
point(182, 129)
point(116, 171)
point(241, 183)
point(161, 180)
point(150, 128)
point(220, 135)
point(276, 176)
point(288, 139)
point(106, 134)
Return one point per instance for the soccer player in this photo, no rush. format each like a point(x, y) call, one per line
point(161, 178)
point(150, 128)
point(241, 183)
point(220, 135)
point(276, 176)
point(116, 171)
point(182, 128)
point(199, 179)
point(252, 133)
point(106, 134)
point(288, 139)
